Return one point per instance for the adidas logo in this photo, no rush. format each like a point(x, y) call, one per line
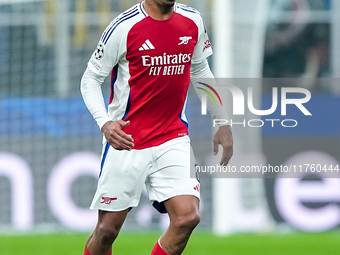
point(147, 46)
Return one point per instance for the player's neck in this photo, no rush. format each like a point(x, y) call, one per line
point(158, 12)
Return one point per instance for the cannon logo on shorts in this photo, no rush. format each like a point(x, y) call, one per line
point(108, 200)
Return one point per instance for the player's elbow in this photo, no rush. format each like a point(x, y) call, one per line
point(83, 85)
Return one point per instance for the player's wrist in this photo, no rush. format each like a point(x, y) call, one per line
point(104, 125)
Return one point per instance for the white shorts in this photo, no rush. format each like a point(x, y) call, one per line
point(164, 169)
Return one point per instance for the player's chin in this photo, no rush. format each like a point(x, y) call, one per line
point(170, 3)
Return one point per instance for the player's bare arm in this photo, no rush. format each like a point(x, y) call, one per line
point(224, 137)
point(116, 137)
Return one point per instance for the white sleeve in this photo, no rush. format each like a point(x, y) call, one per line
point(107, 54)
point(108, 51)
point(203, 47)
point(201, 72)
point(91, 91)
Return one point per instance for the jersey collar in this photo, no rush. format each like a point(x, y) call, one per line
point(141, 8)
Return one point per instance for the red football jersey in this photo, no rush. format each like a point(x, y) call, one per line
point(151, 62)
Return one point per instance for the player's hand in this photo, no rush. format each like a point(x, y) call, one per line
point(116, 137)
point(224, 137)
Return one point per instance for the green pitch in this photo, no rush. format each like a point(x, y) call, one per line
point(200, 244)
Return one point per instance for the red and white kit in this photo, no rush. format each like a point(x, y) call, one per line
point(151, 70)
point(151, 63)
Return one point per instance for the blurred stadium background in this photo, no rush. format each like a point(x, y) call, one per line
point(50, 146)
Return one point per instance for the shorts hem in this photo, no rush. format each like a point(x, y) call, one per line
point(112, 209)
point(177, 194)
point(160, 206)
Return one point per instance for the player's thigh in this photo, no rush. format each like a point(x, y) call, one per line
point(183, 207)
point(174, 172)
point(122, 179)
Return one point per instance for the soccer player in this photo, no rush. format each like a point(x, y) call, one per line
point(152, 51)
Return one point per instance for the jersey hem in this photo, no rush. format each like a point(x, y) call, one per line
point(158, 142)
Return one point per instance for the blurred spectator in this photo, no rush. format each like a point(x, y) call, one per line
point(298, 49)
